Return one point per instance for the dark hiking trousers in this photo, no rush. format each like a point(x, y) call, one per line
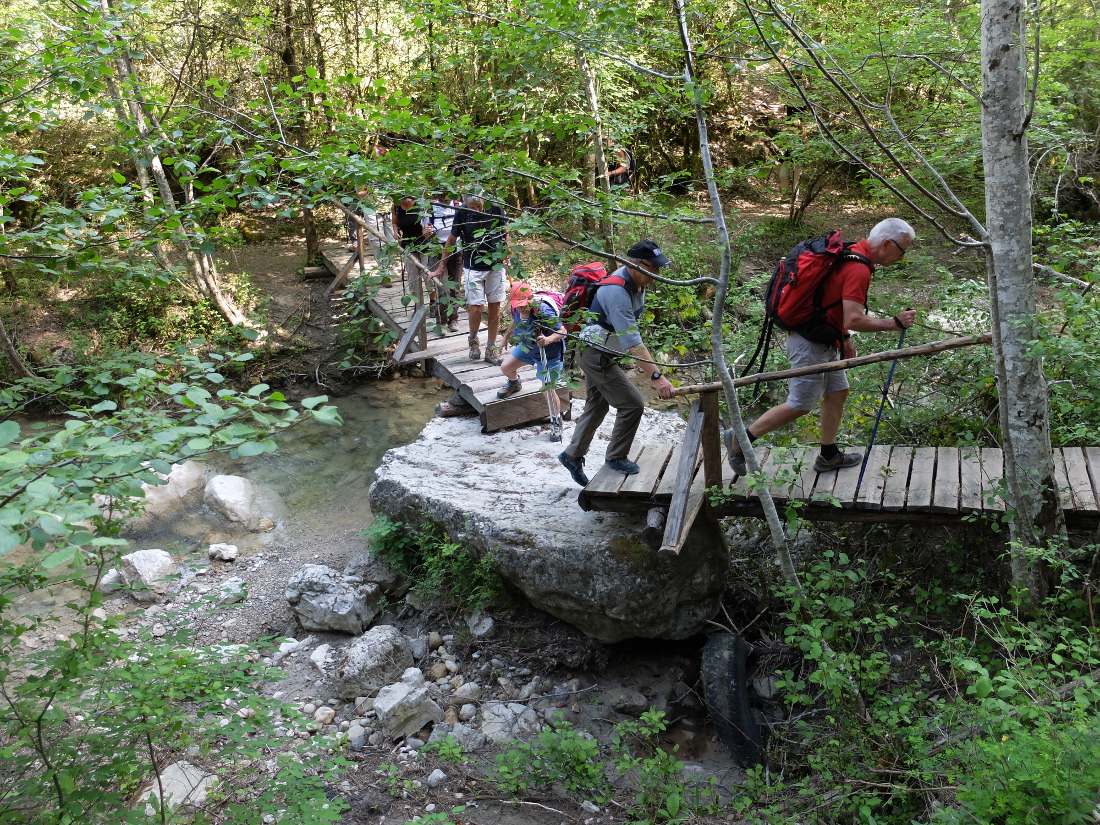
point(606, 385)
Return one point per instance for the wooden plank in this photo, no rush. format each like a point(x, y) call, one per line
point(1092, 462)
point(767, 467)
point(807, 475)
point(711, 440)
point(653, 461)
point(1077, 474)
point(696, 498)
point(685, 470)
point(668, 477)
point(739, 489)
point(897, 479)
point(520, 409)
point(786, 468)
point(970, 480)
point(606, 482)
point(869, 495)
point(844, 488)
point(1065, 493)
point(992, 475)
point(945, 493)
point(922, 474)
point(410, 333)
point(342, 275)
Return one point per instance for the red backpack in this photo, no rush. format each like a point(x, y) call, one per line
point(793, 299)
point(584, 280)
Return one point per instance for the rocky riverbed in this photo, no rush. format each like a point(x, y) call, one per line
point(402, 673)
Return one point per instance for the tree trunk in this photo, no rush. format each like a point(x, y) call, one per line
point(1022, 386)
point(589, 76)
point(14, 358)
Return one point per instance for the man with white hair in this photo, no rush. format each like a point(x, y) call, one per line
point(482, 231)
point(844, 301)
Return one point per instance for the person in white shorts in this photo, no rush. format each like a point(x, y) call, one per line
point(481, 231)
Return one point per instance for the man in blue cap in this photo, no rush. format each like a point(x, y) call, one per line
point(618, 306)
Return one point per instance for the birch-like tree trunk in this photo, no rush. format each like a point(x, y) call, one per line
point(1022, 385)
point(589, 76)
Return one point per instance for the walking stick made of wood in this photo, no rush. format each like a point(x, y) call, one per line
point(878, 416)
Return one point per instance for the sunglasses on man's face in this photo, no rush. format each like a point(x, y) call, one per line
point(901, 248)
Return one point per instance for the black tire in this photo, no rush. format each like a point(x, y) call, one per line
point(725, 687)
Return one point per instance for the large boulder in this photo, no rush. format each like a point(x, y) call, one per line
point(376, 658)
point(323, 599)
point(405, 707)
point(507, 496)
point(232, 497)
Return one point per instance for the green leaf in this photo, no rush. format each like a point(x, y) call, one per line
point(9, 431)
point(59, 556)
point(12, 459)
point(250, 448)
point(8, 540)
point(983, 686)
point(310, 403)
point(105, 406)
point(119, 178)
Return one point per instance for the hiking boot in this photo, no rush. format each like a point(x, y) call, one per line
point(575, 466)
point(734, 456)
point(492, 355)
point(837, 462)
point(475, 348)
point(452, 325)
point(623, 465)
point(511, 388)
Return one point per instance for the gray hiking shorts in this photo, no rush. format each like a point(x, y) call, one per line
point(805, 391)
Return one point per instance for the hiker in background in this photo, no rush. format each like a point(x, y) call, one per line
point(416, 244)
point(844, 303)
point(439, 220)
point(539, 336)
point(618, 305)
point(620, 164)
point(359, 209)
point(481, 231)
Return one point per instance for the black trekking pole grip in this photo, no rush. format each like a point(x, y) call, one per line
point(882, 404)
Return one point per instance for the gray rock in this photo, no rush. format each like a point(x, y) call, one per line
point(232, 497)
point(435, 641)
point(592, 570)
point(414, 744)
point(481, 625)
point(149, 571)
point(419, 647)
point(627, 701)
point(467, 712)
point(435, 778)
point(376, 739)
point(379, 657)
point(323, 600)
point(403, 709)
point(503, 722)
point(468, 738)
point(324, 715)
point(468, 692)
point(232, 591)
point(370, 567)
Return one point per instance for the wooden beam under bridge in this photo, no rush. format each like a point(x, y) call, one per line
point(846, 363)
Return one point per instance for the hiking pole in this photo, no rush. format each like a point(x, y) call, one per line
point(878, 415)
point(555, 420)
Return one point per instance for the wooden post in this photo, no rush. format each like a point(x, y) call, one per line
point(678, 509)
point(711, 439)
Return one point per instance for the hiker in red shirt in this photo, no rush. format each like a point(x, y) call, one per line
point(847, 289)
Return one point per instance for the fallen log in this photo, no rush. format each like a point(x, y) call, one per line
point(846, 363)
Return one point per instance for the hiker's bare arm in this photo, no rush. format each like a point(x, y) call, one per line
point(547, 340)
point(647, 367)
point(445, 256)
point(857, 320)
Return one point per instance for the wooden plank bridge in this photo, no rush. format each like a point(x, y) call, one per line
point(932, 485)
point(445, 354)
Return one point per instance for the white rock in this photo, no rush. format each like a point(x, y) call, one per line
point(110, 581)
point(481, 625)
point(378, 657)
point(150, 568)
point(319, 657)
point(183, 784)
point(222, 552)
point(503, 722)
point(403, 710)
point(435, 777)
point(180, 482)
point(323, 599)
point(324, 715)
point(468, 738)
point(232, 497)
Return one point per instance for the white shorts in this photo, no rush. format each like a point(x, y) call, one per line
point(484, 287)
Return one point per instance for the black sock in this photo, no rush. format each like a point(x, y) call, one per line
point(752, 438)
point(829, 451)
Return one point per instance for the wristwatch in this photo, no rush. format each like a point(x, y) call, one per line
point(656, 375)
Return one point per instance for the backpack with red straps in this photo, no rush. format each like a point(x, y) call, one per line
point(793, 299)
point(584, 280)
